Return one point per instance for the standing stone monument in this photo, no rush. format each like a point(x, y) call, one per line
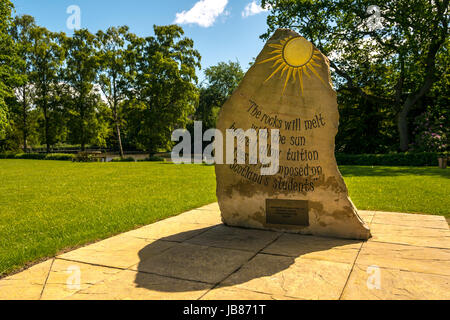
point(288, 88)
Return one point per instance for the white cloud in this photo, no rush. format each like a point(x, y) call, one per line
point(204, 13)
point(253, 8)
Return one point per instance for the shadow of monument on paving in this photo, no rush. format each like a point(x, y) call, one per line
point(208, 265)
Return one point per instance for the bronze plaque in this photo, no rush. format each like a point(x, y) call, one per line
point(292, 212)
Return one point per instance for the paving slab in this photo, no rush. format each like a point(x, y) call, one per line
point(287, 276)
point(26, 285)
point(416, 236)
point(194, 262)
point(198, 216)
point(212, 206)
point(177, 231)
point(121, 251)
point(130, 285)
point(405, 257)
point(409, 216)
point(367, 216)
point(395, 284)
point(330, 249)
point(235, 238)
point(232, 293)
point(194, 256)
point(411, 220)
point(66, 278)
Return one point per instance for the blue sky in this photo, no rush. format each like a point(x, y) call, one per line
point(222, 30)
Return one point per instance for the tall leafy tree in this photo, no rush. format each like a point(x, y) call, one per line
point(80, 75)
point(220, 82)
point(164, 93)
point(9, 62)
point(47, 57)
point(21, 34)
point(114, 72)
point(385, 54)
point(225, 77)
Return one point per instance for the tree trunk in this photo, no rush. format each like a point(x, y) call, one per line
point(47, 129)
point(116, 117)
point(83, 131)
point(402, 122)
point(402, 125)
point(25, 138)
point(119, 138)
point(24, 119)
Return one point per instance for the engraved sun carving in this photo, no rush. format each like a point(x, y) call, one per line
point(294, 57)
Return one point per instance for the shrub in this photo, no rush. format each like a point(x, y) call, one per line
point(154, 158)
point(431, 133)
point(390, 159)
point(34, 156)
point(7, 155)
point(60, 156)
point(37, 156)
point(127, 159)
point(83, 157)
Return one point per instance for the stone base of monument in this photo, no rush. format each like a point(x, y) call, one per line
point(293, 216)
point(287, 89)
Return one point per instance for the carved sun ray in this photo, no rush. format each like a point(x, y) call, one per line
point(294, 57)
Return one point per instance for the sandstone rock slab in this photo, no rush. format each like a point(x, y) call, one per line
point(287, 89)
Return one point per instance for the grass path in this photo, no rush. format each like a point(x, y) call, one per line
point(47, 206)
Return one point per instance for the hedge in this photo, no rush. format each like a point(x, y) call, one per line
point(59, 156)
point(154, 158)
point(126, 159)
point(390, 159)
point(38, 156)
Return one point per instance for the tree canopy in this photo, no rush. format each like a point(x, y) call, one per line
point(164, 92)
point(389, 53)
point(220, 82)
point(9, 61)
point(93, 89)
point(114, 89)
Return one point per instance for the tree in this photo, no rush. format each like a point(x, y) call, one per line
point(391, 62)
point(164, 94)
point(9, 62)
point(80, 74)
point(46, 56)
point(114, 72)
point(225, 77)
point(21, 34)
point(364, 126)
point(221, 80)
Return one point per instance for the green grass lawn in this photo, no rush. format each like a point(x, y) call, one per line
point(400, 189)
point(49, 206)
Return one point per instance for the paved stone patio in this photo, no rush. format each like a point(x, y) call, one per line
point(194, 256)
